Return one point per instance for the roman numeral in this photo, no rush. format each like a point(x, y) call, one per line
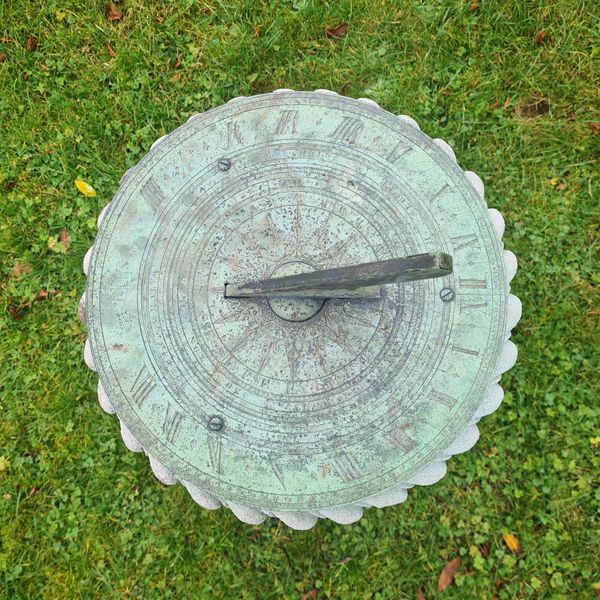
point(400, 439)
point(473, 284)
point(142, 386)
point(440, 192)
point(152, 194)
point(234, 134)
point(399, 151)
point(346, 467)
point(482, 306)
point(277, 470)
point(444, 399)
point(465, 350)
point(348, 130)
point(172, 424)
point(464, 241)
point(288, 122)
point(215, 450)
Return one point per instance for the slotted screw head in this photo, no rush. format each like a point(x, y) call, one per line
point(224, 164)
point(447, 294)
point(216, 423)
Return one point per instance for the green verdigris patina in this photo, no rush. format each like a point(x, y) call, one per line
point(294, 414)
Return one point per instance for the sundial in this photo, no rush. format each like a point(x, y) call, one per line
point(298, 306)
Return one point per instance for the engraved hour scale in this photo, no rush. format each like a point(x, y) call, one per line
point(298, 306)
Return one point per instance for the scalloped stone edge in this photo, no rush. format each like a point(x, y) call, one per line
point(397, 494)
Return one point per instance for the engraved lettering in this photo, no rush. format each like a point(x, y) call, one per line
point(277, 471)
point(400, 439)
point(444, 399)
point(142, 386)
point(288, 122)
point(465, 350)
point(172, 424)
point(348, 130)
point(440, 192)
point(234, 134)
point(474, 284)
point(482, 306)
point(215, 450)
point(398, 152)
point(464, 241)
point(152, 194)
point(346, 467)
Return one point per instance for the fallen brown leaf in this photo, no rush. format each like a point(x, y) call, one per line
point(420, 595)
point(311, 594)
point(256, 31)
point(112, 12)
point(512, 542)
point(337, 32)
point(14, 312)
point(561, 186)
point(594, 127)
point(44, 293)
point(495, 104)
point(31, 44)
point(110, 50)
point(474, 5)
point(540, 37)
point(175, 77)
point(64, 238)
point(447, 574)
point(533, 109)
point(160, 19)
point(20, 268)
point(2, 58)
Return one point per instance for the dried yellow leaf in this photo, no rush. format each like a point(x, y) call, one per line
point(512, 542)
point(85, 188)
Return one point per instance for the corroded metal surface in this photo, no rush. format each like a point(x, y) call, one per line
point(300, 414)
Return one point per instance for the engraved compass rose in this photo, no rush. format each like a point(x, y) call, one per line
point(298, 306)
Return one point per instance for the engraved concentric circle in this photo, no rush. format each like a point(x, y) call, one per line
point(316, 412)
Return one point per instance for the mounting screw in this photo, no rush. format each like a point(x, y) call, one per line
point(224, 164)
point(447, 294)
point(216, 423)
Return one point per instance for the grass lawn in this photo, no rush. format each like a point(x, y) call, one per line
point(510, 85)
